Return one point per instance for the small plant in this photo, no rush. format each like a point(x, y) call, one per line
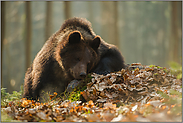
point(7, 97)
point(74, 95)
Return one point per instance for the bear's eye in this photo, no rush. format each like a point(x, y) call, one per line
point(88, 62)
point(78, 59)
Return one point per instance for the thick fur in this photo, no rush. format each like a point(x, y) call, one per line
point(71, 53)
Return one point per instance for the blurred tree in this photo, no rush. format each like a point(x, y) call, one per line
point(2, 24)
point(67, 9)
point(108, 22)
point(175, 40)
point(116, 31)
point(90, 7)
point(6, 54)
point(28, 34)
point(48, 26)
point(2, 28)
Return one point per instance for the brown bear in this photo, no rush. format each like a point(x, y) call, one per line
point(71, 53)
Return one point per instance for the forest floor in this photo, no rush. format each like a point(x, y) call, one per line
point(135, 94)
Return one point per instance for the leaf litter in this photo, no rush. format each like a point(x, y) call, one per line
point(135, 94)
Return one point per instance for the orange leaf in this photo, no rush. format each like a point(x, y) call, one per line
point(51, 96)
point(55, 93)
point(94, 92)
point(71, 110)
point(33, 102)
point(119, 89)
point(90, 102)
point(29, 101)
point(10, 104)
point(173, 105)
point(168, 112)
point(162, 100)
point(27, 112)
point(25, 103)
point(135, 116)
point(163, 107)
point(148, 104)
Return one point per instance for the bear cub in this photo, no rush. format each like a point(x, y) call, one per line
point(70, 54)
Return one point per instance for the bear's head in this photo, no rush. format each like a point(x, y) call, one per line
point(76, 55)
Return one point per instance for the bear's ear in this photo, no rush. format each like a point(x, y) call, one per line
point(74, 37)
point(96, 42)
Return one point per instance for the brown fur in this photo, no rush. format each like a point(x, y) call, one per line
point(71, 53)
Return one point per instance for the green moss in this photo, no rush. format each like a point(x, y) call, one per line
point(75, 94)
point(151, 66)
point(159, 67)
point(155, 74)
point(165, 70)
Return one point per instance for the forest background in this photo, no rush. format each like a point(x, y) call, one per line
point(148, 32)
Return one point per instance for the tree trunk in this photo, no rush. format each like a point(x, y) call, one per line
point(116, 31)
point(107, 22)
point(28, 33)
point(90, 12)
point(48, 26)
point(174, 42)
point(2, 28)
point(2, 23)
point(67, 9)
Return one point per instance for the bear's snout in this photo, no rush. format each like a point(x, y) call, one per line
point(79, 71)
point(83, 74)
